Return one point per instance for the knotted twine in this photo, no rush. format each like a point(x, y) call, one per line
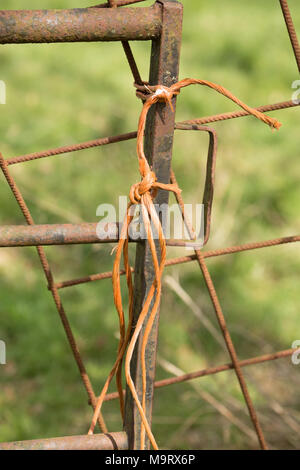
point(143, 194)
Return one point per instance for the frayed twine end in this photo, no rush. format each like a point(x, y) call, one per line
point(277, 125)
point(274, 124)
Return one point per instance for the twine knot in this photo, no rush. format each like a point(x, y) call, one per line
point(139, 189)
point(157, 93)
point(165, 95)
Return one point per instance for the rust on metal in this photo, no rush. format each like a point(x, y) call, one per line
point(117, 3)
point(158, 150)
point(187, 259)
point(208, 194)
point(291, 30)
point(183, 125)
point(214, 370)
point(237, 114)
point(109, 441)
point(71, 148)
point(161, 24)
point(57, 234)
point(80, 25)
point(54, 291)
point(69, 234)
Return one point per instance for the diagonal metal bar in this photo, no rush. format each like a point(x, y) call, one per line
point(71, 148)
point(52, 287)
point(291, 30)
point(183, 125)
point(214, 370)
point(237, 114)
point(132, 63)
point(128, 52)
point(229, 345)
point(235, 249)
point(188, 259)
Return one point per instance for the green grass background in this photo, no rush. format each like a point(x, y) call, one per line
point(68, 93)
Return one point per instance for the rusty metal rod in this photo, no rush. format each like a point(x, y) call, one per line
point(57, 234)
point(187, 259)
point(184, 125)
point(118, 3)
point(80, 25)
point(291, 30)
point(235, 114)
point(72, 148)
point(111, 441)
point(214, 370)
point(159, 132)
point(69, 234)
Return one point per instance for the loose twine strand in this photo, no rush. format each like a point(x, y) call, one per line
point(143, 194)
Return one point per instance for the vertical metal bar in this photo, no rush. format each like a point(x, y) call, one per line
point(158, 148)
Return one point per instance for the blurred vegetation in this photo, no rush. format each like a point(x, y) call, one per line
point(68, 93)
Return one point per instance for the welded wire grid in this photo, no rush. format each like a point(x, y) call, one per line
point(199, 255)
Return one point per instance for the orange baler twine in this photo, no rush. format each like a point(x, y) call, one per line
point(143, 193)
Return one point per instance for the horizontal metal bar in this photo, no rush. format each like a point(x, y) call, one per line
point(111, 441)
point(57, 234)
point(80, 25)
point(118, 3)
point(69, 234)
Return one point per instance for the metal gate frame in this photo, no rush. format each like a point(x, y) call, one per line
point(161, 24)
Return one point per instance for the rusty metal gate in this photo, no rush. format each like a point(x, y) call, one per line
point(161, 24)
